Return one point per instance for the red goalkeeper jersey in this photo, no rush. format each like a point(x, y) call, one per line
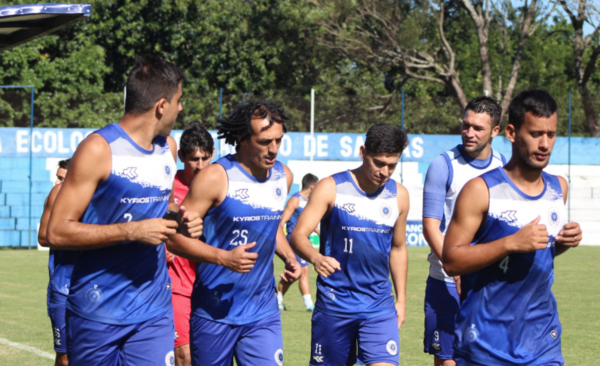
point(181, 270)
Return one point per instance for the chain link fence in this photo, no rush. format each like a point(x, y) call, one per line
point(333, 113)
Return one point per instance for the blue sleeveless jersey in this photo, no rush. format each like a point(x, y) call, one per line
point(294, 219)
point(251, 212)
point(126, 283)
point(361, 244)
point(508, 314)
point(60, 266)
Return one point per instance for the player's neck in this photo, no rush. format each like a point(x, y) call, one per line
point(362, 181)
point(187, 177)
point(139, 129)
point(481, 154)
point(247, 164)
point(528, 180)
point(305, 193)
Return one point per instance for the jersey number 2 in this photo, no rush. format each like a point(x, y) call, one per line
point(504, 264)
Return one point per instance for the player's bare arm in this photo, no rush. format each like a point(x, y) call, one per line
point(64, 229)
point(433, 235)
point(283, 250)
point(571, 234)
point(46, 214)
point(399, 254)
point(290, 207)
point(207, 191)
point(320, 204)
point(459, 257)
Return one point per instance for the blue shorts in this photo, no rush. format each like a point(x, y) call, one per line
point(57, 313)
point(462, 362)
point(255, 344)
point(441, 307)
point(149, 343)
point(302, 262)
point(335, 340)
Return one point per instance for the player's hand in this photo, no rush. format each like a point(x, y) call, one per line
point(153, 231)
point(400, 314)
point(325, 266)
point(569, 235)
point(191, 223)
point(457, 282)
point(170, 256)
point(238, 260)
point(293, 270)
point(529, 238)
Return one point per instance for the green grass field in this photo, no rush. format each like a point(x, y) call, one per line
point(23, 319)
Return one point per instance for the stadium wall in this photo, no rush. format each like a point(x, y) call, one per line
point(331, 152)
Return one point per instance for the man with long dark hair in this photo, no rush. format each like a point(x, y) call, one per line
point(241, 199)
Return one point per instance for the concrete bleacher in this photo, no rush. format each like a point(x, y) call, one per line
point(14, 200)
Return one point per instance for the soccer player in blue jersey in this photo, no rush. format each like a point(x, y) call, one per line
point(363, 239)
point(446, 176)
point(241, 199)
point(507, 227)
point(290, 216)
point(110, 210)
point(60, 266)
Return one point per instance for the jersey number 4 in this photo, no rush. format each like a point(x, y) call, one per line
point(504, 264)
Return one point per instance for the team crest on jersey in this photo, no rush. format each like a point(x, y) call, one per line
point(94, 294)
point(170, 359)
point(392, 348)
point(278, 192)
point(385, 211)
point(472, 334)
point(553, 217)
point(279, 357)
point(167, 172)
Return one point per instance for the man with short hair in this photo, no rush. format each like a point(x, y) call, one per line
point(61, 172)
point(446, 176)
point(241, 198)
point(196, 150)
point(60, 266)
point(507, 227)
point(290, 216)
point(363, 240)
point(110, 209)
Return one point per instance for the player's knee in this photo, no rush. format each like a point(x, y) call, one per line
point(183, 356)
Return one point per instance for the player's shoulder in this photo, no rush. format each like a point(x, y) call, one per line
point(401, 191)
point(214, 173)
point(326, 184)
point(92, 147)
point(172, 144)
point(287, 170)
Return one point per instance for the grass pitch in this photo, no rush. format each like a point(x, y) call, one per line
point(23, 318)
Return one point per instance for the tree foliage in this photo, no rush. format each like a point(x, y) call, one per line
point(358, 56)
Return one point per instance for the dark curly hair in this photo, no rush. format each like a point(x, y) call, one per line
point(238, 126)
point(538, 102)
point(196, 137)
point(64, 164)
point(385, 139)
point(486, 104)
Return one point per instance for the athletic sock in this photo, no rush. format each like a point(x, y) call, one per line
point(307, 300)
point(279, 297)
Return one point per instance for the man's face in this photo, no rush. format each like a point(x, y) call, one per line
point(61, 173)
point(170, 112)
point(534, 141)
point(195, 161)
point(263, 145)
point(477, 131)
point(379, 168)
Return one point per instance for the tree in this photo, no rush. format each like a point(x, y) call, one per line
point(585, 56)
point(413, 37)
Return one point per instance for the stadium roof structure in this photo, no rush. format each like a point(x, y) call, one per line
point(23, 23)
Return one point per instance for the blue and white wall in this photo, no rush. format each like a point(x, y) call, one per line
point(331, 152)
